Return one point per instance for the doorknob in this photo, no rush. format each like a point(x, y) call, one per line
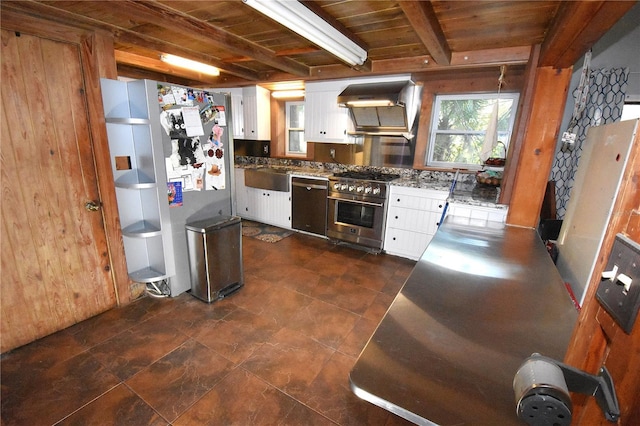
point(92, 206)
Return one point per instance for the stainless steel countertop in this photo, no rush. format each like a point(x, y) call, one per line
point(483, 297)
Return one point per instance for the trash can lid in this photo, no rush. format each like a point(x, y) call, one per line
point(211, 224)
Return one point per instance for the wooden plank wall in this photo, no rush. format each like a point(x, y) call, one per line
point(59, 262)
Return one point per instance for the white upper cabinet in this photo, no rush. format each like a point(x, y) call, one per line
point(325, 121)
point(256, 111)
point(237, 113)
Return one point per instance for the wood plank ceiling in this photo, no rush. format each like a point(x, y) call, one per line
point(399, 36)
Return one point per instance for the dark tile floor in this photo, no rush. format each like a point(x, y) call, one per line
point(277, 352)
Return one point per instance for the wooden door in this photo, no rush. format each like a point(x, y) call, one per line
point(55, 261)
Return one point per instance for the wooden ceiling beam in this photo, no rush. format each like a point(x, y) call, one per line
point(129, 38)
point(123, 36)
point(578, 25)
point(160, 67)
point(499, 56)
point(136, 73)
point(165, 17)
point(425, 23)
point(474, 59)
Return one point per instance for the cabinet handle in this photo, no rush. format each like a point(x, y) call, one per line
point(394, 238)
point(398, 199)
point(440, 206)
point(396, 217)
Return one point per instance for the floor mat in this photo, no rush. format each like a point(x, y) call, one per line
point(263, 232)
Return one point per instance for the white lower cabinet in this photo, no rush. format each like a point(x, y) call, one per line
point(262, 205)
point(270, 207)
point(412, 220)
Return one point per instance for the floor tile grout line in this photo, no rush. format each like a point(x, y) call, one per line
point(287, 394)
point(89, 402)
point(145, 401)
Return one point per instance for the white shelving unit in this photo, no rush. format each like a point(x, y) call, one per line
point(135, 144)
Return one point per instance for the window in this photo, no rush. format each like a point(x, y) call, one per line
point(459, 125)
point(296, 144)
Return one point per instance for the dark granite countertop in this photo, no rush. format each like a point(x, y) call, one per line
point(467, 190)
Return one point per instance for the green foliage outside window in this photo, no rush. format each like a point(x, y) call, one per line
point(462, 123)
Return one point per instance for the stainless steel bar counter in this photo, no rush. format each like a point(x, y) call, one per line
point(483, 297)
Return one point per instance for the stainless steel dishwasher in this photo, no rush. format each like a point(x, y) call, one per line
point(309, 205)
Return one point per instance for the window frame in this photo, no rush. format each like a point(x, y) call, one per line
point(434, 131)
point(288, 129)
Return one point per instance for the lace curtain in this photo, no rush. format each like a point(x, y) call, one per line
point(605, 99)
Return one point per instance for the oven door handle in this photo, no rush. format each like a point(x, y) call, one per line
point(366, 203)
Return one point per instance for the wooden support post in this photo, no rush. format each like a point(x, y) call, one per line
point(538, 145)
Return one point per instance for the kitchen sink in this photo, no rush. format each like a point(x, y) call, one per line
point(271, 178)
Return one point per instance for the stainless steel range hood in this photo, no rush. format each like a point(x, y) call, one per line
point(383, 108)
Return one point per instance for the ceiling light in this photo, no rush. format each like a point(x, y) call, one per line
point(189, 64)
point(288, 85)
point(295, 16)
point(285, 94)
point(371, 103)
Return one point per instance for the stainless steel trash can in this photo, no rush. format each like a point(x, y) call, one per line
point(215, 257)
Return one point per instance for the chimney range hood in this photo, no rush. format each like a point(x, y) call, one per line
point(382, 108)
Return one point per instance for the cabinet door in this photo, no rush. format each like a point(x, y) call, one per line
point(240, 193)
point(409, 219)
point(278, 209)
point(406, 243)
point(334, 117)
point(237, 115)
point(285, 209)
point(256, 110)
point(325, 121)
point(313, 123)
point(410, 201)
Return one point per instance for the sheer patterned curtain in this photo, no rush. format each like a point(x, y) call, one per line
point(605, 99)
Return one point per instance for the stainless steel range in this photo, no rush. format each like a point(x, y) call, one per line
point(357, 207)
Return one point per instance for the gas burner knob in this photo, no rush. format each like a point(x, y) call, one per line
point(336, 186)
point(367, 190)
point(343, 186)
point(359, 188)
point(352, 188)
point(376, 190)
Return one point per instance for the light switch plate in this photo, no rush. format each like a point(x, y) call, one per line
point(622, 304)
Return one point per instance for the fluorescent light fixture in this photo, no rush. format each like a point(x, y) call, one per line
point(371, 103)
point(285, 94)
point(288, 85)
point(295, 16)
point(189, 64)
